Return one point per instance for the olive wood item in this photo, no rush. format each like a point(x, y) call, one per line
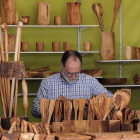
point(66, 110)
point(27, 22)
point(100, 126)
point(81, 105)
point(24, 46)
point(20, 24)
point(11, 130)
point(57, 127)
point(138, 114)
point(23, 20)
point(76, 126)
point(55, 46)
point(137, 52)
point(11, 42)
point(25, 96)
point(127, 127)
point(42, 69)
point(9, 12)
point(117, 4)
point(136, 79)
point(114, 125)
point(75, 106)
point(40, 46)
point(18, 124)
point(34, 128)
point(7, 136)
point(51, 109)
point(93, 72)
point(66, 46)
point(56, 110)
point(108, 46)
point(58, 20)
point(98, 10)
point(26, 136)
point(43, 16)
point(129, 52)
point(12, 120)
point(74, 16)
point(87, 46)
point(42, 127)
point(47, 129)
point(39, 137)
point(113, 81)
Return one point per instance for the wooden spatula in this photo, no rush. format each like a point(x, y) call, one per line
point(75, 106)
point(81, 108)
point(56, 110)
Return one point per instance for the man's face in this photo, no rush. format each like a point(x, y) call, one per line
point(71, 70)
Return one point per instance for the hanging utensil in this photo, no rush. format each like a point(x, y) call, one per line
point(101, 14)
point(117, 4)
point(96, 10)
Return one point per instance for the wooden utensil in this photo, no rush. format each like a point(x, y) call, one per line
point(81, 105)
point(101, 13)
point(56, 110)
point(51, 109)
point(25, 96)
point(75, 106)
point(117, 4)
point(19, 26)
point(138, 114)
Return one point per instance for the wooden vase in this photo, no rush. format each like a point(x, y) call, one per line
point(87, 46)
point(43, 17)
point(9, 12)
point(74, 15)
point(55, 46)
point(11, 42)
point(108, 46)
point(129, 52)
point(66, 46)
point(24, 46)
point(137, 52)
point(40, 46)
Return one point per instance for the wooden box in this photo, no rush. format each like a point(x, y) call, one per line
point(57, 127)
point(99, 126)
point(77, 126)
point(127, 127)
point(114, 125)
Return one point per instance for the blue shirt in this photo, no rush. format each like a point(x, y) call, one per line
point(54, 86)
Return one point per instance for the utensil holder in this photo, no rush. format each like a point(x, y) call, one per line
point(66, 46)
point(108, 46)
point(129, 52)
point(55, 46)
point(57, 20)
point(40, 46)
point(114, 125)
point(99, 126)
point(57, 127)
point(24, 46)
point(127, 127)
point(87, 46)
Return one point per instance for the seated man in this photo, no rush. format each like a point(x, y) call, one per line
point(70, 82)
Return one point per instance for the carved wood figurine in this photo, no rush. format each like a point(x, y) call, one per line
point(9, 12)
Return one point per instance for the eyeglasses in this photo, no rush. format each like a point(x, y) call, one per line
point(71, 74)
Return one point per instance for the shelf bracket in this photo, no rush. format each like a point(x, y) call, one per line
point(83, 28)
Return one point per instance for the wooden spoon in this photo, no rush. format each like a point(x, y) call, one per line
point(101, 13)
point(117, 4)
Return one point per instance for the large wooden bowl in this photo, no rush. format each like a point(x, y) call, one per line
point(136, 79)
point(113, 81)
point(93, 72)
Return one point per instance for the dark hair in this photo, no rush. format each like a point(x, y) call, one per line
point(70, 53)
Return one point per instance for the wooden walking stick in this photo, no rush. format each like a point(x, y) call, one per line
point(19, 26)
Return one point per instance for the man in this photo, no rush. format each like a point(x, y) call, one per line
point(70, 82)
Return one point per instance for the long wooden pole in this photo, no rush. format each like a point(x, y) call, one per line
point(19, 26)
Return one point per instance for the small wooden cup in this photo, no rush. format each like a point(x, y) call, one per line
point(87, 46)
point(57, 20)
point(40, 46)
point(137, 52)
point(129, 52)
point(66, 46)
point(28, 20)
point(55, 46)
point(24, 46)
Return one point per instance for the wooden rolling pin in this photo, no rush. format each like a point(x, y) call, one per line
point(25, 96)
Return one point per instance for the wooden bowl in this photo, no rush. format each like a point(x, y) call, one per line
point(113, 81)
point(136, 79)
point(93, 72)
